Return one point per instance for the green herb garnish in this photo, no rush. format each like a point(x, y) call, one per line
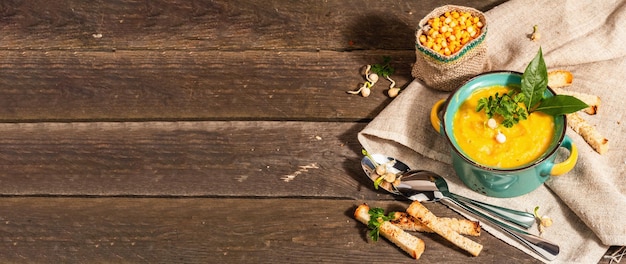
point(506, 105)
point(560, 104)
point(532, 95)
point(377, 217)
point(384, 69)
point(534, 81)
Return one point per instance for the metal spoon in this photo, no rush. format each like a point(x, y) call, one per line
point(544, 248)
point(428, 186)
point(524, 219)
point(410, 179)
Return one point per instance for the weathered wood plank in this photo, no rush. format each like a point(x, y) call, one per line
point(182, 85)
point(226, 25)
point(127, 60)
point(270, 159)
point(207, 230)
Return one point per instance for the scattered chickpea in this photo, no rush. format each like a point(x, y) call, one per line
point(390, 177)
point(372, 77)
point(381, 170)
point(448, 33)
point(366, 91)
point(491, 123)
point(501, 138)
point(393, 90)
point(546, 221)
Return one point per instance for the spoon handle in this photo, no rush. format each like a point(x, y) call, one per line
point(543, 247)
point(523, 219)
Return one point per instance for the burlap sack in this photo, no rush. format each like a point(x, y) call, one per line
point(446, 73)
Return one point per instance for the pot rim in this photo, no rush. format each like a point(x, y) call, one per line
point(488, 168)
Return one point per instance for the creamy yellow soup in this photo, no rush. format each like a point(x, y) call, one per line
point(525, 141)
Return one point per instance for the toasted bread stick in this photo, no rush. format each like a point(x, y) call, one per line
point(407, 242)
point(560, 78)
point(417, 210)
point(591, 135)
point(461, 226)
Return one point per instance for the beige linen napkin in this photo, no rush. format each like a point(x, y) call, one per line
point(585, 37)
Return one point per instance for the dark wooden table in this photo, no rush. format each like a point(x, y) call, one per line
point(199, 131)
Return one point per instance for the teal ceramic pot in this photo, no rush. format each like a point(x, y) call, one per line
point(498, 182)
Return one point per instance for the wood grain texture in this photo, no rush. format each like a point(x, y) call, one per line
point(200, 60)
point(199, 131)
point(178, 85)
point(269, 159)
point(208, 230)
point(225, 25)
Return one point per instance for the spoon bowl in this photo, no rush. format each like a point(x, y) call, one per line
point(392, 165)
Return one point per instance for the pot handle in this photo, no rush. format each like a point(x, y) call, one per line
point(434, 116)
point(568, 164)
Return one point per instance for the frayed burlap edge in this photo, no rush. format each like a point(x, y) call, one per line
point(446, 73)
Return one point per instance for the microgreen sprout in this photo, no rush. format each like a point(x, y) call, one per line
point(364, 90)
point(385, 70)
point(381, 171)
point(378, 182)
point(377, 167)
point(379, 70)
point(393, 91)
point(371, 79)
point(535, 36)
point(377, 218)
point(365, 153)
point(542, 221)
